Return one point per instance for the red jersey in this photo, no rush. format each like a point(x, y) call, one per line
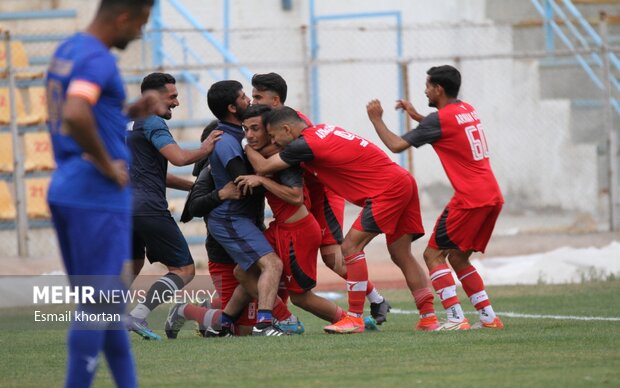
point(349, 165)
point(457, 136)
point(282, 210)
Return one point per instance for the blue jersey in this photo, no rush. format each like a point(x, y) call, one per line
point(225, 150)
point(149, 167)
point(85, 63)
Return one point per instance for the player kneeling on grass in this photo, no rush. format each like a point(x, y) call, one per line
point(468, 220)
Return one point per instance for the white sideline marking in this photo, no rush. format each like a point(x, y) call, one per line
point(532, 316)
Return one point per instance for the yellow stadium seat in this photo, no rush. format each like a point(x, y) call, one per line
point(7, 207)
point(36, 197)
point(39, 155)
point(23, 118)
point(19, 61)
point(38, 102)
point(6, 152)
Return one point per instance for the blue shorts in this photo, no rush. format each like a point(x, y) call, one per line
point(92, 242)
point(241, 238)
point(161, 239)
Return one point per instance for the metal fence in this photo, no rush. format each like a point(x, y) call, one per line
point(543, 117)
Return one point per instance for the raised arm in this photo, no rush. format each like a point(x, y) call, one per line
point(392, 141)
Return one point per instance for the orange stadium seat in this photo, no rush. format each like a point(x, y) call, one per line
point(38, 102)
point(36, 197)
point(23, 118)
point(19, 61)
point(6, 152)
point(38, 147)
point(7, 207)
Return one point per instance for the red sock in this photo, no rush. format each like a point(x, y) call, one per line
point(280, 311)
point(444, 285)
point(424, 301)
point(357, 281)
point(283, 292)
point(474, 287)
point(369, 286)
point(195, 313)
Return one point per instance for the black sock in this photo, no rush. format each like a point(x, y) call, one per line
point(164, 288)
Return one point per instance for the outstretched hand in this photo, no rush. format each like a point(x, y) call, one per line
point(229, 191)
point(209, 143)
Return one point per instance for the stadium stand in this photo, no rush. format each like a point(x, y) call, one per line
point(38, 150)
point(36, 197)
point(19, 61)
point(6, 153)
point(7, 208)
point(23, 118)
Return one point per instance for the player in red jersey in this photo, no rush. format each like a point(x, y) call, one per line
point(468, 220)
point(364, 175)
point(294, 234)
point(325, 205)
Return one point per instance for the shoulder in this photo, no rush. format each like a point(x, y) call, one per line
point(154, 122)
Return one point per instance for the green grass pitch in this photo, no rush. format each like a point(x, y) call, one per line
point(531, 351)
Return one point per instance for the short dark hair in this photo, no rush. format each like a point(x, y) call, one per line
point(257, 110)
point(281, 115)
point(447, 77)
point(208, 129)
point(106, 5)
point(272, 82)
point(156, 81)
point(220, 95)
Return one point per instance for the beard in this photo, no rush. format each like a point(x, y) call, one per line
point(432, 104)
point(239, 112)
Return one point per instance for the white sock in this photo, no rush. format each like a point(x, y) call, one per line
point(140, 311)
point(374, 296)
point(181, 310)
point(455, 313)
point(487, 315)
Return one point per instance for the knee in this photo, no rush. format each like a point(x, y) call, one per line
point(271, 262)
point(239, 273)
point(299, 300)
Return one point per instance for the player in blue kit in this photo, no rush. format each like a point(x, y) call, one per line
point(233, 223)
point(155, 233)
point(88, 196)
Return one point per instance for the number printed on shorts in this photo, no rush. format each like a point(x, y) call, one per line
point(478, 143)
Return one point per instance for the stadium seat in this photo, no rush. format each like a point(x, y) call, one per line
point(6, 152)
point(38, 147)
point(7, 207)
point(36, 197)
point(38, 102)
point(19, 61)
point(23, 118)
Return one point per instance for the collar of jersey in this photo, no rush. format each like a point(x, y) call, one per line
point(232, 129)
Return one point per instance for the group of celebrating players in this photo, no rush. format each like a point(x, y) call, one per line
point(262, 149)
point(265, 149)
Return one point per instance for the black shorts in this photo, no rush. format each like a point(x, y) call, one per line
point(160, 238)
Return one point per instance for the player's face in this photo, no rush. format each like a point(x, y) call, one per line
point(129, 26)
point(431, 92)
point(266, 97)
point(170, 97)
point(256, 133)
point(279, 134)
point(241, 105)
